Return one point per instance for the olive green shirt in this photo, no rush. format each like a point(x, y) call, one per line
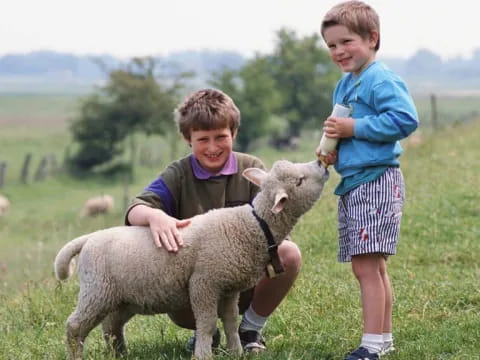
point(179, 193)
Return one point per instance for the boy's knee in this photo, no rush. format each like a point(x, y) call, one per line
point(367, 266)
point(290, 256)
point(383, 267)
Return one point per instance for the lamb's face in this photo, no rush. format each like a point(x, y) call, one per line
point(302, 184)
point(288, 186)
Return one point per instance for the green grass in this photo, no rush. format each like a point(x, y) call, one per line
point(435, 273)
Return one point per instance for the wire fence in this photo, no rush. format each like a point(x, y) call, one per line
point(440, 111)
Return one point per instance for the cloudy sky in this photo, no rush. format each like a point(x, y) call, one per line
point(158, 27)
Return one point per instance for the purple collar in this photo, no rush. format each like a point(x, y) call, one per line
point(230, 168)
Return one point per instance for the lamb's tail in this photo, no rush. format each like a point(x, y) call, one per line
point(63, 268)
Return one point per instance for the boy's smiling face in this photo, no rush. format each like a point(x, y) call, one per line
point(212, 148)
point(348, 50)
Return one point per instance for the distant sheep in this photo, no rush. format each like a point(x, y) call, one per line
point(123, 273)
point(98, 205)
point(4, 205)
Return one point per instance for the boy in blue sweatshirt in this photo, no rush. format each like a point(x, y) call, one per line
point(371, 189)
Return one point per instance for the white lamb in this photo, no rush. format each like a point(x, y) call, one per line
point(4, 205)
point(122, 273)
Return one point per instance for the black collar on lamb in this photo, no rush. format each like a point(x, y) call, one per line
point(275, 267)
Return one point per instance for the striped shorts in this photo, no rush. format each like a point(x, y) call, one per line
point(369, 216)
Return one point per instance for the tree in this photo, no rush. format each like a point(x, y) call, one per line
point(99, 141)
point(253, 91)
point(305, 77)
point(133, 101)
point(281, 93)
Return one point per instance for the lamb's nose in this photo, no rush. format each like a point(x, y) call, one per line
point(322, 165)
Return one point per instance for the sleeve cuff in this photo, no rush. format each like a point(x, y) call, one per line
point(136, 203)
point(358, 128)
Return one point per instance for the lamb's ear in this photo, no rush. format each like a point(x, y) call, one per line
point(280, 200)
point(254, 175)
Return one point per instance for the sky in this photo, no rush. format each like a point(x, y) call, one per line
point(158, 27)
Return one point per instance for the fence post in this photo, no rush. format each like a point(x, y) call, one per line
point(42, 169)
point(3, 171)
point(66, 157)
point(54, 168)
point(25, 168)
point(433, 102)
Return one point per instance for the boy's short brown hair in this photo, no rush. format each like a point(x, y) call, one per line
point(357, 16)
point(207, 109)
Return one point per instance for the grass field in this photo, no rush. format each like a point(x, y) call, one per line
point(435, 275)
point(37, 110)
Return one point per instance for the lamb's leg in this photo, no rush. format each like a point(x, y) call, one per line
point(204, 305)
point(79, 325)
point(228, 311)
point(113, 333)
point(90, 311)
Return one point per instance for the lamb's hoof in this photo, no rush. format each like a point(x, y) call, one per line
point(217, 338)
point(200, 358)
point(236, 350)
point(202, 355)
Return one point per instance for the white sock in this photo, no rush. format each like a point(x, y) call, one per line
point(252, 321)
point(387, 339)
point(372, 342)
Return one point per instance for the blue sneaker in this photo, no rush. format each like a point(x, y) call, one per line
point(190, 345)
point(362, 354)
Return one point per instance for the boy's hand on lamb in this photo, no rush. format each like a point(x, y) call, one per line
point(339, 127)
point(165, 232)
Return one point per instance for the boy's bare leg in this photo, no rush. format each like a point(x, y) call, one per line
point(269, 293)
point(387, 320)
point(367, 270)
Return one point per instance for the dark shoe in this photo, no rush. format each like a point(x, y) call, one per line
point(217, 337)
point(252, 341)
point(362, 354)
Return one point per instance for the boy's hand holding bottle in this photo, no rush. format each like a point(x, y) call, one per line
point(338, 125)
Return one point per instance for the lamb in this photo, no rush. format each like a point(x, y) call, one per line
point(98, 205)
point(4, 205)
point(225, 251)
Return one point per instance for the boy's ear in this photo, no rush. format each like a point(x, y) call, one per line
point(254, 175)
point(374, 38)
point(234, 134)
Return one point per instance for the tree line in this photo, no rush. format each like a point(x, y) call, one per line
point(424, 64)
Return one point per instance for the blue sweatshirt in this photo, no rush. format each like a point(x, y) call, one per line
point(384, 113)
